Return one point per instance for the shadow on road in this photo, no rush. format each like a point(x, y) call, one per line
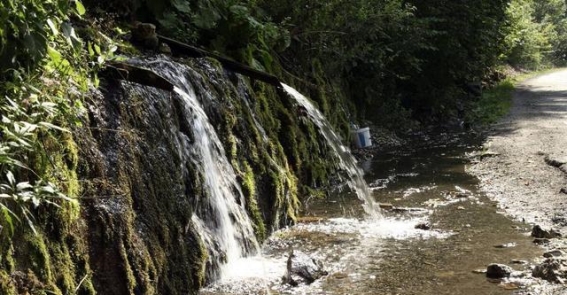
point(531, 105)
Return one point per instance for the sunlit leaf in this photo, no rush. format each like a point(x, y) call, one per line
point(23, 186)
point(11, 178)
point(54, 55)
point(80, 8)
point(52, 27)
point(52, 126)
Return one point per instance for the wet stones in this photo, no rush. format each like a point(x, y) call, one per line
point(541, 241)
point(303, 269)
point(386, 206)
point(498, 271)
point(423, 226)
point(519, 261)
point(539, 233)
point(553, 253)
point(552, 270)
point(506, 245)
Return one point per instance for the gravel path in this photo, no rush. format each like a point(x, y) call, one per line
point(521, 168)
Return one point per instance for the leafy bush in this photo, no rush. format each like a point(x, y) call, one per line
point(44, 69)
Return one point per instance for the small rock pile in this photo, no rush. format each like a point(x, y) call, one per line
point(554, 267)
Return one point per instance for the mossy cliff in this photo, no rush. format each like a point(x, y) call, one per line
point(133, 231)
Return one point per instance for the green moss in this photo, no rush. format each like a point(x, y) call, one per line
point(6, 285)
point(249, 191)
point(38, 254)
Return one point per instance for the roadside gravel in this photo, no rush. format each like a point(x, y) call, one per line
point(525, 151)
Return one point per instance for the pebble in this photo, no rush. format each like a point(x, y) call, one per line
point(423, 226)
point(507, 245)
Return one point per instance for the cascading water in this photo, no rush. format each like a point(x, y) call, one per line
point(346, 160)
point(220, 216)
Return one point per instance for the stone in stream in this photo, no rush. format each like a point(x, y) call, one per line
point(538, 232)
point(386, 206)
point(553, 253)
point(506, 245)
point(498, 271)
point(302, 268)
point(541, 241)
point(423, 226)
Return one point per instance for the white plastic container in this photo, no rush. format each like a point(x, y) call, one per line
point(361, 137)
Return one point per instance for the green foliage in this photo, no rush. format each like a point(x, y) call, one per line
point(536, 35)
point(45, 68)
point(237, 28)
point(527, 41)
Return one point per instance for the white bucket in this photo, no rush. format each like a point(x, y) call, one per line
point(361, 137)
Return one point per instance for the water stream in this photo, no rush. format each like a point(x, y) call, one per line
point(427, 183)
point(363, 251)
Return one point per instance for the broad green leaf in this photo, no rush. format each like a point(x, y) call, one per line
point(80, 8)
point(54, 55)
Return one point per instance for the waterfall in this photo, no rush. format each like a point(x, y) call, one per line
point(222, 218)
point(219, 216)
point(346, 160)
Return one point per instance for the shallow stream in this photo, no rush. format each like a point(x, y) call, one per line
point(423, 184)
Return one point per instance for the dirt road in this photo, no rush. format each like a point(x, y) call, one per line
point(516, 170)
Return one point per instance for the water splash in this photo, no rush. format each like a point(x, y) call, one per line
point(346, 160)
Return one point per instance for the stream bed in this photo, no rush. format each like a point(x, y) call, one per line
point(437, 229)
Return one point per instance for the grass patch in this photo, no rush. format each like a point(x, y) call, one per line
point(494, 103)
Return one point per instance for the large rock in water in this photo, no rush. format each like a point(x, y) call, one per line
point(302, 268)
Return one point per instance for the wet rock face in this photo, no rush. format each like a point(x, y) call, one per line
point(303, 269)
point(498, 271)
